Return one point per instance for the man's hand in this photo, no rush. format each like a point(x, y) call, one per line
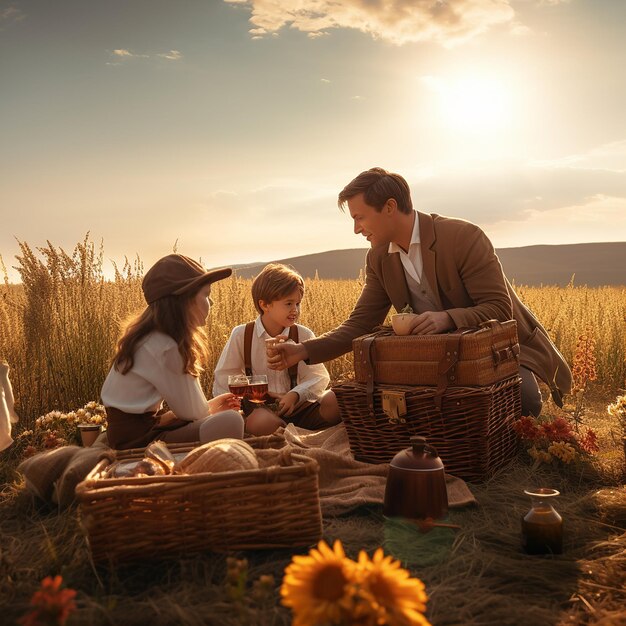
point(432, 323)
point(223, 402)
point(284, 355)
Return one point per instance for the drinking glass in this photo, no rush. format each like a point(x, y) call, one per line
point(238, 385)
point(257, 388)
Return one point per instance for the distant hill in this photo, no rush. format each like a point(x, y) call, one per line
point(591, 264)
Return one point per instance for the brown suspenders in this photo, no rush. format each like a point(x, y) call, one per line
point(247, 351)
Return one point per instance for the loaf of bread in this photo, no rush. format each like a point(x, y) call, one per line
point(222, 455)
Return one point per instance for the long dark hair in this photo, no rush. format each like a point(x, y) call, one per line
point(170, 315)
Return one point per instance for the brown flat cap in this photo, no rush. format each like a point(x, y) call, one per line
point(175, 274)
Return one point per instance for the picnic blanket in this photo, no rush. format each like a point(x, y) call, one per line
point(52, 475)
point(345, 483)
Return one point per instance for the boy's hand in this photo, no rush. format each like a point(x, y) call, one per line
point(223, 402)
point(287, 403)
point(286, 354)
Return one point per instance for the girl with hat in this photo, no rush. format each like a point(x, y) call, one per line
point(157, 359)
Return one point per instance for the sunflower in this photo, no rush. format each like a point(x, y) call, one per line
point(318, 587)
point(392, 595)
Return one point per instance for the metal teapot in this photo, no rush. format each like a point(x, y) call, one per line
point(416, 484)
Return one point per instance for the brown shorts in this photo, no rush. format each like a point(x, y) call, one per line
point(306, 416)
point(131, 430)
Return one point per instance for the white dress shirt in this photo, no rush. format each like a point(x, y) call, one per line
point(312, 379)
point(157, 374)
point(411, 260)
point(421, 294)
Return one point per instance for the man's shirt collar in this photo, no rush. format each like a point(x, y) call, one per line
point(415, 236)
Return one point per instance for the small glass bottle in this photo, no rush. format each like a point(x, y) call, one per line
point(542, 526)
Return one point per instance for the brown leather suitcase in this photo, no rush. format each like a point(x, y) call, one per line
point(466, 357)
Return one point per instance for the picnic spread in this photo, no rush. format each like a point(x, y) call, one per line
point(272, 491)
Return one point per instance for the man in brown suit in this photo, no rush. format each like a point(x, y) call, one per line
point(446, 269)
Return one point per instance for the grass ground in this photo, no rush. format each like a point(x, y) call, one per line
point(58, 331)
point(476, 575)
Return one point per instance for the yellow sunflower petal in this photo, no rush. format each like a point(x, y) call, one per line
point(390, 590)
point(318, 587)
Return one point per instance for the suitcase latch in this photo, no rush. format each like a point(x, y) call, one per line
point(394, 406)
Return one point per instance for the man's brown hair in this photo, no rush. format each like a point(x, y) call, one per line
point(377, 186)
point(274, 282)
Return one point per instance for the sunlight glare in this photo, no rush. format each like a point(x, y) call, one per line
point(472, 103)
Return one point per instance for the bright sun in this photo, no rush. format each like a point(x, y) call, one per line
point(472, 103)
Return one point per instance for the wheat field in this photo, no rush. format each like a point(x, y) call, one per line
point(58, 328)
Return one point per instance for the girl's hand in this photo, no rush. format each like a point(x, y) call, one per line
point(223, 402)
point(287, 403)
point(166, 418)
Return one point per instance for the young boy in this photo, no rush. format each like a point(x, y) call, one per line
point(277, 292)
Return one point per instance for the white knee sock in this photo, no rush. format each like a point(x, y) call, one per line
point(226, 424)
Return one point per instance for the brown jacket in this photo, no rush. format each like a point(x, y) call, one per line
point(465, 274)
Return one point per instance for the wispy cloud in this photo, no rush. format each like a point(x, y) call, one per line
point(10, 15)
point(513, 190)
point(610, 157)
point(122, 54)
point(397, 21)
point(172, 55)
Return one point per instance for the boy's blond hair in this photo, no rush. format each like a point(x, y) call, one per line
point(275, 281)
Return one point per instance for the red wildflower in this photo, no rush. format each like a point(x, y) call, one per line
point(51, 440)
point(51, 604)
point(584, 367)
point(526, 428)
point(557, 430)
point(29, 451)
point(589, 442)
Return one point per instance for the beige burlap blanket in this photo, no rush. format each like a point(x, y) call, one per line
point(345, 483)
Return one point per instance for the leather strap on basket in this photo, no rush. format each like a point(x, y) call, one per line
point(247, 352)
point(446, 372)
point(509, 353)
point(365, 355)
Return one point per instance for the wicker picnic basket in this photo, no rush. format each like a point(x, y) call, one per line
point(474, 356)
point(471, 427)
point(141, 518)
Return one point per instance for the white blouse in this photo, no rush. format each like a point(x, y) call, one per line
point(157, 375)
point(312, 379)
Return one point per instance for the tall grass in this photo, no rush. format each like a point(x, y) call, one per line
point(59, 327)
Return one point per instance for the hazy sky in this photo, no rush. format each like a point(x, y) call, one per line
point(230, 126)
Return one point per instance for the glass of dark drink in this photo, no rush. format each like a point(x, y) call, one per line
point(238, 385)
point(257, 388)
